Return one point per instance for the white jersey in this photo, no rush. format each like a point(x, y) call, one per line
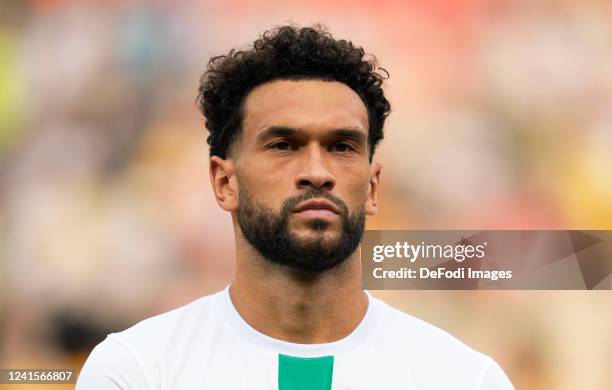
point(207, 345)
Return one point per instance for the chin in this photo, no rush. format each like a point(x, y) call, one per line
point(317, 231)
point(325, 241)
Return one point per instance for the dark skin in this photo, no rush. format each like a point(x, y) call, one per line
point(297, 135)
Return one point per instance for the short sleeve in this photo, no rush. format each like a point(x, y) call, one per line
point(495, 378)
point(111, 366)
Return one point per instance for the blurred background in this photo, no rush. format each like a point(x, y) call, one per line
point(502, 118)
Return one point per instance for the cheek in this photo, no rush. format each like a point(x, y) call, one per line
point(357, 189)
point(265, 187)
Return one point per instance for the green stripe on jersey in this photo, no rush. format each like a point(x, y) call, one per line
point(295, 373)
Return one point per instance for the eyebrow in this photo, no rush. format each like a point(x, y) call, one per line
point(284, 131)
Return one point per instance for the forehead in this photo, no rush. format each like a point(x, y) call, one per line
point(304, 104)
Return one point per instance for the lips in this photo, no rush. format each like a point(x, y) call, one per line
point(316, 206)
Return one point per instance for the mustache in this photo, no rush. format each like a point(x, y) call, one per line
point(310, 193)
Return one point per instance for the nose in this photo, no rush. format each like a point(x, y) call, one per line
point(315, 172)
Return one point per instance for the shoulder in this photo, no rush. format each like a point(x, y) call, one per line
point(130, 359)
point(111, 365)
point(155, 334)
point(436, 356)
point(418, 333)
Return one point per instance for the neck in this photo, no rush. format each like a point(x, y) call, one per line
point(295, 306)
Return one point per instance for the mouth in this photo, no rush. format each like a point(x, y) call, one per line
point(317, 208)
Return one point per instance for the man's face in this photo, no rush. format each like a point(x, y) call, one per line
point(302, 171)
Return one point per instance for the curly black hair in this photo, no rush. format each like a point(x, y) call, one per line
point(287, 53)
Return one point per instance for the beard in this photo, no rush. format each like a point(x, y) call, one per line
point(269, 233)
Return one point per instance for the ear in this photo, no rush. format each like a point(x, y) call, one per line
point(223, 181)
point(371, 205)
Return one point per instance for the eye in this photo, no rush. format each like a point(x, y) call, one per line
point(282, 145)
point(342, 147)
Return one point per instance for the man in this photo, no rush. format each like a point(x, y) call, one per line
point(294, 123)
